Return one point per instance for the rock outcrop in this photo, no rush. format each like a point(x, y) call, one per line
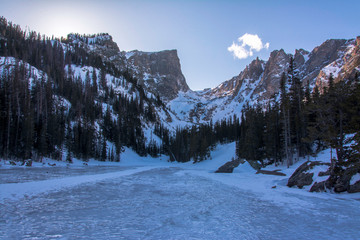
point(229, 166)
point(275, 172)
point(270, 82)
point(338, 180)
point(303, 175)
point(342, 180)
point(337, 57)
point(319, 186)
point(236, 86)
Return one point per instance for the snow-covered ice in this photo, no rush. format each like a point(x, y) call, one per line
point(154, 199)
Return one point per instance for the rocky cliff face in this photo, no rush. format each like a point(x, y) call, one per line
point(270, 83)
point(159, 72)
point(344, 63)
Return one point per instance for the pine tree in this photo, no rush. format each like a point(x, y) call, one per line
point(102, 79)
point(68, 157)
point(103, 150)
point(94, 83)
point(296, 101)
point(285, 111)
point(272, 132)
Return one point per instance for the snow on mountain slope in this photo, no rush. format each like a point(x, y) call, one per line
point(122, 87)
point(7, 65)
point(160, 75)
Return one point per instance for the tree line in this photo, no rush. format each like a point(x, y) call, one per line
point(195, 143)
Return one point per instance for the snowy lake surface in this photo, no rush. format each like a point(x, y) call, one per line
point(162, 202)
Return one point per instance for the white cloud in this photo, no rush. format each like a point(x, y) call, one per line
point(247, 44)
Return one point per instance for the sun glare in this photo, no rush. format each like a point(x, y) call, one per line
point(64, 20)
point(63, 25)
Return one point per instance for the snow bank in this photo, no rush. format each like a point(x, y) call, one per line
point(131, 158)
point(218, 157)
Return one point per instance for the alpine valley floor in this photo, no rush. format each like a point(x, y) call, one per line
point(143, 198)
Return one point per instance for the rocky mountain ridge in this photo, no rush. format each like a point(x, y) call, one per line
point(160, 74)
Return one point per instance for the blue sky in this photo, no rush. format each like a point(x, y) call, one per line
point(201, 31)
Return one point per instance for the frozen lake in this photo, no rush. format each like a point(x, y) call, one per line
point(20, 175)
point(162, 203)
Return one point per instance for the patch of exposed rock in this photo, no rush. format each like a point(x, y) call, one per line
point(275, 172)
point(242, 82)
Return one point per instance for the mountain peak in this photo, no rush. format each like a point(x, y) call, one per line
point(301, 56)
